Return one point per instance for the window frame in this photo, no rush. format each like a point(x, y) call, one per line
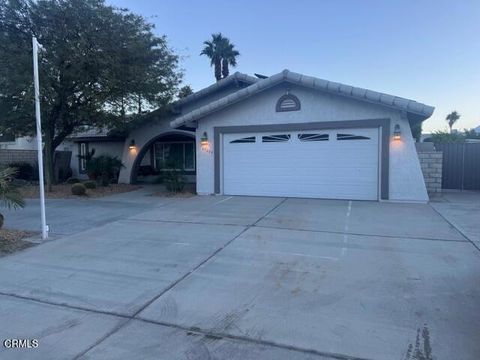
point(82, 161)
point(163, 143)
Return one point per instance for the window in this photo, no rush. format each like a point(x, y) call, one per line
point(179, 155)
point(313, 137)
point(276, 138)
point(83, 151)
point(288, 102)
point(351, 137)
point(250, 139)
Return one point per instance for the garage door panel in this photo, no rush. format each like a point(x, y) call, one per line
point(342, 169)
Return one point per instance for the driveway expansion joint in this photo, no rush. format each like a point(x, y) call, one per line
point(456, 228)
point(176, 282)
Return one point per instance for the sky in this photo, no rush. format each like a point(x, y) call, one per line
point(424, 50)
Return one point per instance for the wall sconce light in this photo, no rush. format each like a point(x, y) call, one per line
point(397, 133)
point(204, 144)
point(132, 145)
point(204, 139)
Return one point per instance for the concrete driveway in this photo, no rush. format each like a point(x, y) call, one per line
point(252, 278)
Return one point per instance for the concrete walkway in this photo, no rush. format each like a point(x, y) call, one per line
point(248, 278)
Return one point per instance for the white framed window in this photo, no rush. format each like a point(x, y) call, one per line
point(177, 154)
point(83, 161)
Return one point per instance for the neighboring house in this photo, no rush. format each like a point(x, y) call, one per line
point(287, 135)
point(83, 142)
point(11, 142)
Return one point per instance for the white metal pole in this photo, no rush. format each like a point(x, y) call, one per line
point(39, 138)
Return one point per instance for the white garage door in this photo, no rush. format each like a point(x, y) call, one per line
point(330, 164)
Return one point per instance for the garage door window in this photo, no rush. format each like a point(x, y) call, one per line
point(313, 137)
point(250, 139)
point(276, 138)
point(351, 137)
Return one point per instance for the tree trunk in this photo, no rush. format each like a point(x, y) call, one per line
point(218, 69)
point(225, 70)
point(48, 153)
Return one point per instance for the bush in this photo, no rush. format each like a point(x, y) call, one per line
point(90, 184)
point(79, 189)
point(104, 167)
point(72, 180)
point(25, 171)
point(174, 180)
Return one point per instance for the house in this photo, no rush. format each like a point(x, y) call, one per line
point(287, 135)
point(100, 140)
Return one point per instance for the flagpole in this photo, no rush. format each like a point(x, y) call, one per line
point(39, 138)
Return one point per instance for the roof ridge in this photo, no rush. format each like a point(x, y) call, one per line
point(216, 86)
point(421, 110)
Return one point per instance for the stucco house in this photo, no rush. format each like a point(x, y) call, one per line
point(286, 135)
point(102, 140)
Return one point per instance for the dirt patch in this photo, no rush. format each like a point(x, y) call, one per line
point(13, 240)
point(63, 191)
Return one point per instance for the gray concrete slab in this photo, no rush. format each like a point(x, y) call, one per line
point(362, 296)
point(141, 340)
point(362, 217)
point(115, 268)
point(462, 209)
point(69, 216)
point(238, 210)
point(62, 333)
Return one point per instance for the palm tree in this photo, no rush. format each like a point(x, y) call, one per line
point(229, 56)
point(212, 50)
point(222, 53)
point(9, 195)
point(452, 119)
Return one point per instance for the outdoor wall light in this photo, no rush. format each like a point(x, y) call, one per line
point(132, 145)
point(204, 139)
point(204, 144)
point(397, 133)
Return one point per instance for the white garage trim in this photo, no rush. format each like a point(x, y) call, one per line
point(382, 124)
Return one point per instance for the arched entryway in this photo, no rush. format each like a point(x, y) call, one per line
point(167, 149)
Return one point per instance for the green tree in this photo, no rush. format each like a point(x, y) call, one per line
point(10, 197)
point(439, 137)
point(185, 91)
point(213, 50)
point(222, 54)
point(452, 118)
point(97, 63)
point(229, 56)
point(416, 131)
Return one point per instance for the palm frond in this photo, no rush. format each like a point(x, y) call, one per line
point(10, 197)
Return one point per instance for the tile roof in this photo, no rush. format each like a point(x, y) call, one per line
point(418, 111)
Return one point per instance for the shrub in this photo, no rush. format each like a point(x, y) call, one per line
point(72, 180)
point(79, 189)
point(9, 195)
point(174, 180)
point(90, 184)
point(104, 166)
point(25, 171)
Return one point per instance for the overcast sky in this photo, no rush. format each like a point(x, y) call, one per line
point(428, 51)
